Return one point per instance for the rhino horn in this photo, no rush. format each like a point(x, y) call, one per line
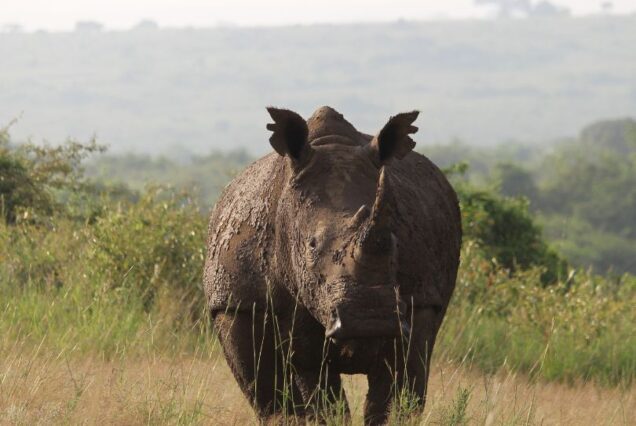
point(376, 238)
point(381, 214)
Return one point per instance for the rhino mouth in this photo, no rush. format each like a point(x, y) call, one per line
point(368, 328)
point(366, 312)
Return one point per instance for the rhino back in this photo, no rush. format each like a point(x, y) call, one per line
point(240, 237)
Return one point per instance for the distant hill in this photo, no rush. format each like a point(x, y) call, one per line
point(171, 91)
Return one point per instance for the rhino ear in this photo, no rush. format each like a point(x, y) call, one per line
point(290, 133)
point(394, 140)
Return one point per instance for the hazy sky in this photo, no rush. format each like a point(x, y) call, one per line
point(121, 14)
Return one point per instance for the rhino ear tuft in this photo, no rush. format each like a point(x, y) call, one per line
point(394, 140)
point(289, 137)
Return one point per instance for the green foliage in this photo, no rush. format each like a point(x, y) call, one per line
point(615, 136)
point(103, 286)
point(38, 181)
point(580, 328)
point(601, 191)
point(587, 195)
point(481, 161)
point(583, 192)
point(515, 181)
point(456, 413)
point(583, 244)
point(155, 242)
point(406, 407)
point(18, 192)
point(507, 233)
point(99, 260)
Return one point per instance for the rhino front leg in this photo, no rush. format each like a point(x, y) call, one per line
point(391, 381)
point(318, 381)
point(258, 364)
point(323, 394)
point(403, 370)
point(379, 397)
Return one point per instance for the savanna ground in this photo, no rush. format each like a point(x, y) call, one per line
point(199, 389)
point(102, 316)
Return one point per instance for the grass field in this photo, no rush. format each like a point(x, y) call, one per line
point(118, 365)
point(59, 388)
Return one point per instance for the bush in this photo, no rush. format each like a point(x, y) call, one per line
point(18, 192)
point(507, 233)
point(37, 182)
point(580, 328)
point(157, 241)
point(102, 286)
point(90, 264)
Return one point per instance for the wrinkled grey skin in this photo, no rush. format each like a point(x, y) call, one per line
point(337, 253)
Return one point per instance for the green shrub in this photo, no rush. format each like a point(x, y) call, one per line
point(580, 328)
point(103, 286)
point(157, 241)
point(19, 194)
point(37, 182)
point(507, 233)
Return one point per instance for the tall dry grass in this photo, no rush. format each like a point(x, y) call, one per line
point(44, 388)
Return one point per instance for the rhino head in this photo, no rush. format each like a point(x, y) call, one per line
point(336, 222)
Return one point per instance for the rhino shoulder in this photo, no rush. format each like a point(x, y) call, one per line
point(240, 236)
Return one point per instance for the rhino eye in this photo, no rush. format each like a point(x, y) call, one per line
point(312, 243)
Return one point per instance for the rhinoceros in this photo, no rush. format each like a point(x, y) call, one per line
point(335, 254)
